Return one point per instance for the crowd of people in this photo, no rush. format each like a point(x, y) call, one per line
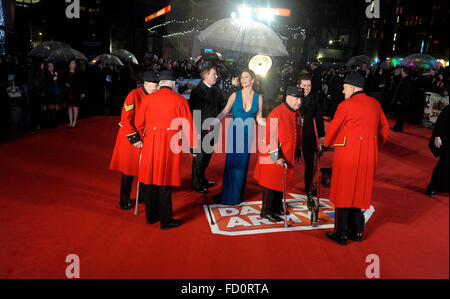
point(43, 94)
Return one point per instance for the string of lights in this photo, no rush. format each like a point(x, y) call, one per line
point(193, 19)
point(180, 22)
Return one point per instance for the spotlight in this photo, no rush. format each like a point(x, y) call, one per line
point(245, 12)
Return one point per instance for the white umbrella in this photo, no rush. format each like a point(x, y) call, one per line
point(125, 56)
point(66, 54)
point(45, 48)
point(243, 36)
point(107, 59)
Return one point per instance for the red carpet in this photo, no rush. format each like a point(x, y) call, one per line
point(58, 197)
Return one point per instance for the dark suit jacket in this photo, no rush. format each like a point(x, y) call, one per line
point(207, 100)
point(310, 111)
point(404, 91)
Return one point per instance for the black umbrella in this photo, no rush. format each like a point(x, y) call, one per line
point(125, 56)
point(358, 60)
point(107, 59)
point(44, 49)
point(66, 54)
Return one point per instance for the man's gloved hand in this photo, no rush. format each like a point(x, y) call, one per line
point(298, 155)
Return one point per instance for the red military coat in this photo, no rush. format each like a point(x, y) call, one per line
point(267, 173)
point(125, 157)
point(160, 118)
point(357, 130)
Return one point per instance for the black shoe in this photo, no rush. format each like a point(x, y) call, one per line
point(200, 189)
point(341, 240)
point(171, 224)
point(355, 236)
point(126, 206)
point(273, 218)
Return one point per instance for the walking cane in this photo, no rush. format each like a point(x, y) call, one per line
point(137, 191)
point(284, 195)
point(209, 210)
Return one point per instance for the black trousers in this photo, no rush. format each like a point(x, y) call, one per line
point(199, 165)
point(440, 177)
point(402, 115)
point(272, 202)
point(126, 184)
point(309, 170)
point(348, 220)
point(158, 204)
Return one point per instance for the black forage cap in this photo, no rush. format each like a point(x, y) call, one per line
point(355, 79)
point(150, 76)
point(167, 75)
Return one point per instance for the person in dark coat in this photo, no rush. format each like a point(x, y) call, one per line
point(76, 91)
point(439, 146)
point(335, 88)
point(206, 100)
point(402, 99)
point(311, 111)
point(37, 88)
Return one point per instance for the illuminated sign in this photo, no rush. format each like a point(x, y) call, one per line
point(158, 13)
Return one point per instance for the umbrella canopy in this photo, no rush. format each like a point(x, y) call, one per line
point(358, 60)
point(107, 59)
point(44, 49)
point(66, 54)
point(420, 61)
point(213, 56)
point(243, 36)
point(125, 56)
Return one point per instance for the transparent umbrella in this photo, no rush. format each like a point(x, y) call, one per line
point(107, 59)
point(44, 49)
point(420, 61)
point(358, 60)
point(243, 36)
point(125, 56)
point(66, 54)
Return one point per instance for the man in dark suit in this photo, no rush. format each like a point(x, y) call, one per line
point(206, 99)
point(402, 98)
point(310, 111)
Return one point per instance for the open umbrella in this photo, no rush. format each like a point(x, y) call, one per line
point(107, 59)
point(125, 56)
point(243, 36)
point(66, 54)
point(358, 60)
point(420, 61)
point(45, 48)
point(213, 56)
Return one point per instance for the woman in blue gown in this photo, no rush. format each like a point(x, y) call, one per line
point(246, 106)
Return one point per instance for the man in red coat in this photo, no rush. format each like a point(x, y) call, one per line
point(161, 118)
point(126, 153)
point(281, 146)
point(357, 130)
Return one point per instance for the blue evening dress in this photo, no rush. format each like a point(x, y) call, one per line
point(238, 154)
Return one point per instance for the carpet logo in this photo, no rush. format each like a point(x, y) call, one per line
point(245, 219)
